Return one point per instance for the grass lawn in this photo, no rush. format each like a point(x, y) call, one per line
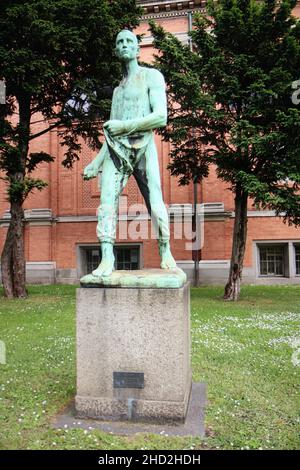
point(243, 351)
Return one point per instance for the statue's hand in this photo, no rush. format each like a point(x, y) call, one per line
point(90, 171)
point(116, 127)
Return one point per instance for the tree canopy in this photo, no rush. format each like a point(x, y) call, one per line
point(57, 60)
point(230, 100)
point(231, 106)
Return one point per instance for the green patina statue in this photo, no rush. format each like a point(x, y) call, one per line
point(138, 107)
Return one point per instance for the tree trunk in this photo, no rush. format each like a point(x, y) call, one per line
point(7, 262)
point(19, 264)
point(13, 265)
point(233, 286)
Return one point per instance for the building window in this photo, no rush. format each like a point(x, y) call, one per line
point(297, 259)
point(93, 257)
point(272, 260)
point(126, 257)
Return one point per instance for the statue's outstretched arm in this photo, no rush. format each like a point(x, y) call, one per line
point(93, 168)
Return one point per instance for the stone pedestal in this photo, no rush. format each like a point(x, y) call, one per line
point(133, 353)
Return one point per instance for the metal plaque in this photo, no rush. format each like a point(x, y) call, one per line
point(128, 379)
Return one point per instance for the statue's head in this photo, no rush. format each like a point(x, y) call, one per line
point(126, 45)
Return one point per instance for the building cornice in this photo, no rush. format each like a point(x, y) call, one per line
point(172, 14)
point(31, 216)
point(172, 8)
point(169, 8)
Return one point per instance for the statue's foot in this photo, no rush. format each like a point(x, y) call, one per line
point(105, 268)
point(167, 260)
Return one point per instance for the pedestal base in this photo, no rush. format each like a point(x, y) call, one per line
point(194, 424)
point(145, 278)
point(133, 354)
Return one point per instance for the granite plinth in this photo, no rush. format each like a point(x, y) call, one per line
point(136, 331)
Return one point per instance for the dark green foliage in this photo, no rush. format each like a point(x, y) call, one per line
point(18, 189)
point(36, 158)
point(230, 100)
point(52, 52)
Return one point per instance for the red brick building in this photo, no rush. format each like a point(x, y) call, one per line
point(60, 232)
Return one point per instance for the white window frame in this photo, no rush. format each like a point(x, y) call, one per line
point(289, 258)
point(295, 246)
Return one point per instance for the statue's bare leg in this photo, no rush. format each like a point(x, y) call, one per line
point(148, 179)
point(112, 184)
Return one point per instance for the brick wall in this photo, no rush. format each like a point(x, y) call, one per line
point(69, 196)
